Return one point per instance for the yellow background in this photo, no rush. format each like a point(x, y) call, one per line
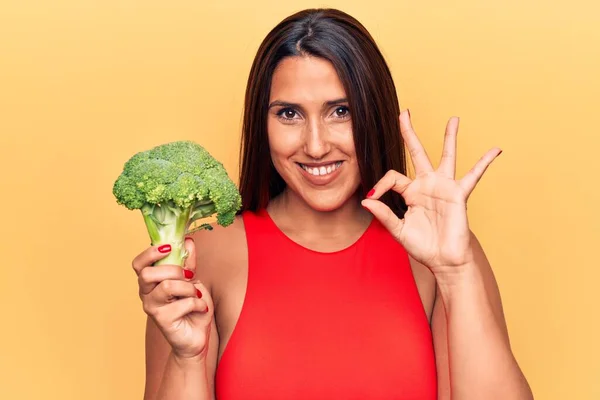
point(85, 84)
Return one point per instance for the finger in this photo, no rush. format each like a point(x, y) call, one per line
point(418, 155)
point(190, 251)
point(393, 180)
point(166, 315)
point(470, 180)
point(169, 291)
point(385, 215)
point(205, 294)
point(149, 278)
point(149, 256)
point(203, 303)
point(448, 161)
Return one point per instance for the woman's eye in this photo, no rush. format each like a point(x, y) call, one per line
point(287, 113)
point(342, 112)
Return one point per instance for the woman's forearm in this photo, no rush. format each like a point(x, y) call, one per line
point(481, 362)
point(184, 379)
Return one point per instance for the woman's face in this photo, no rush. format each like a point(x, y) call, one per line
point(310, 133)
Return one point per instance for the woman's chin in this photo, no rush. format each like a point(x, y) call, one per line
point(326, 203)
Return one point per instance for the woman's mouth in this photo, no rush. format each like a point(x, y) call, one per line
point(321, 170)
point(320, 175)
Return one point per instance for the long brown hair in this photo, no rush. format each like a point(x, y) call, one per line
point(339, 38)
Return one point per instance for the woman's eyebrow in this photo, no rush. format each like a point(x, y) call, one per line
point(279, 103)
point(336, 102)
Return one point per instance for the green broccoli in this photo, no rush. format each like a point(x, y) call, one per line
point(174, 185)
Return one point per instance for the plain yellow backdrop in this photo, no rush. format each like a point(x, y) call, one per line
point(85, 84)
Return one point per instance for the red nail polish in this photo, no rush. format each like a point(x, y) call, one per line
point(198, 293)
point(189, 237)
point(165, 248)
point(371, 193)
point(188, 274)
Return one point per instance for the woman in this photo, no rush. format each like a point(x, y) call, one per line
point(341, 278)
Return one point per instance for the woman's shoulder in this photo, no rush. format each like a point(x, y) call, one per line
point(218, 233)
point(219, 251)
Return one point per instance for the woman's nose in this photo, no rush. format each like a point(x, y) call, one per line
point(317, 145)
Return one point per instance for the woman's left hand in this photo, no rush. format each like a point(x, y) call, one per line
point(435, 229)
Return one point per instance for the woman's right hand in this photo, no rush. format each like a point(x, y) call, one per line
point(181, 308)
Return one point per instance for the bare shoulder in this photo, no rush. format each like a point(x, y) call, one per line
point(426, 284)
point(219, 252)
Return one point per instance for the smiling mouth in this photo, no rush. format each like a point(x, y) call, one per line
point(321, 170)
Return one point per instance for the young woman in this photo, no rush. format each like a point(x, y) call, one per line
point(341, 278)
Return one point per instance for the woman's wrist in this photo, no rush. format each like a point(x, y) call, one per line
point(185, 361)
point(184, 378)
point(457, 280)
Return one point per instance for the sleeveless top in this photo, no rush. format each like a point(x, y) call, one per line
point(343, 325)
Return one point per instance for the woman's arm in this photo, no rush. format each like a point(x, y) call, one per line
point(184, 379)
point(471, 336)
point(435, 231)
point(170, 378)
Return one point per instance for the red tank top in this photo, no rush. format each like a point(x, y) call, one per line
point(343, 325)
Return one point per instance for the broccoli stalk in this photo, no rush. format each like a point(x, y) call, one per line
point(170, 224)
point(174, 185)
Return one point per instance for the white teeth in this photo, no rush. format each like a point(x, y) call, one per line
point(324, 170)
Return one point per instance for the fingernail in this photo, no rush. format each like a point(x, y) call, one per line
point(371, 193)
point(500, 152)
point(188, 274)
point(189, 237)
point(165, 248)
point(198, 293)
point(408, 111)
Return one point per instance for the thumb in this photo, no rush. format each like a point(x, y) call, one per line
point(385, 215)
point(189, 246)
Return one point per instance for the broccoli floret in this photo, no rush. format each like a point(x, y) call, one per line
point(175, 185)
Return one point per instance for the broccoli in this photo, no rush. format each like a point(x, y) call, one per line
point(174, 185)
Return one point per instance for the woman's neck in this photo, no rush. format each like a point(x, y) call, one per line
point(297, 219)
